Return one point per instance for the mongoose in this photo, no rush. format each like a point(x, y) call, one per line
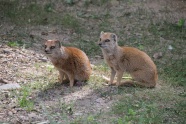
point(71, 62)
point(127, 59)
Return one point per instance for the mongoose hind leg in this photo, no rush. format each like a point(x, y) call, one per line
point(143, 79)
point(63, 77)
point(136, 83)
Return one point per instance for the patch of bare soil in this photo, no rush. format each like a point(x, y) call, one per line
point(13, 60)
point(172, 9)
point(18, 66)
point(58, 103)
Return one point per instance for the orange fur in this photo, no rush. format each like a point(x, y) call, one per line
point(71, 62)
point(127, 59)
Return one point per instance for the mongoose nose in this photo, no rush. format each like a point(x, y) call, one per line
point(46, 51)
point(99, 44)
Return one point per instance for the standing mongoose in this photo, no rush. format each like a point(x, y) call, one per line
point(71, 62)
point(127, 59)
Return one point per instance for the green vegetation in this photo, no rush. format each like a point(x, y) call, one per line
point(138, 28)
point(89, 47)
point(141, 112)
point(71, 22)
point(24, 100)
point(176, 73)
point(15, 43)
point(181, 23)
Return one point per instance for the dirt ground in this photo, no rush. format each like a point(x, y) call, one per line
point(29, 65)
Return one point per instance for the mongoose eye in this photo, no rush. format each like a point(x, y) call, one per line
point(107, 40)
point(45, 46)
point(52, 47)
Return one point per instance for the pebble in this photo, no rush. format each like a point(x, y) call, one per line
point(100, 100)
point(32, 115)
point(2, 55)
point(114, 2)
point(6, 51)
point(44, 122)
point(158, 55)
point(43, 60)
point(10, 86)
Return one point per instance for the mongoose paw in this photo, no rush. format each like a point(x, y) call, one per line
point(109, 84)
point(106, 84)
point(79, 83)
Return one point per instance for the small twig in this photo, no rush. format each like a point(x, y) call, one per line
point(3, 81)
point(126, 77)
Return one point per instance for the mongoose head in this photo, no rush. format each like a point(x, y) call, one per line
point(107, 40)
point(52, 47)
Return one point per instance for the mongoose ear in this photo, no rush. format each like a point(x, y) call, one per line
point(101, 33)
point(114, 37)
point(58, 43)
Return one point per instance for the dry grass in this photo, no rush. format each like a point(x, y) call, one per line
point(152, 26)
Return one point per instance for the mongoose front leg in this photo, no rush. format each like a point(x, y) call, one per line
point(119, 77)
point(113, 73)
point(61, 76)
point(71, 78)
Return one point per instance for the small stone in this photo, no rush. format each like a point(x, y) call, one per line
point(78, 114)
point(97, 57)
point(3, 81)
point(10, 113)
point(44, 122)
point(6, 95)
point(6, 51)
point(31, 36)
point(32, 115)
point(2, 55)
point(92, 66)
point(128, 95)
point(100, 100)
point(43, 59)
point(10, 86)
point(158, 55)
point(53, 31)
point(44, 33)
point(114, 2)
point(170, 47)
point(138, 34)
point(25, 118)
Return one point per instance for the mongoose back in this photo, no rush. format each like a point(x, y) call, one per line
point(71, 62)
point(127, 59)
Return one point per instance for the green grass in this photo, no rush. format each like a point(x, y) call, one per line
point(172, 69)
point(137, 111)
point(29, 14)
point(175, 73)
point(71, 22)
point(69, 2)
point(87, 3)
point(89, 47)
point(137, 29)
point(15, 43)
point(89, 119)
point(145, 106)
point(24, 101)
point(66, 108)
point(181, 23)
point(19, 41)
point(36, 14)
